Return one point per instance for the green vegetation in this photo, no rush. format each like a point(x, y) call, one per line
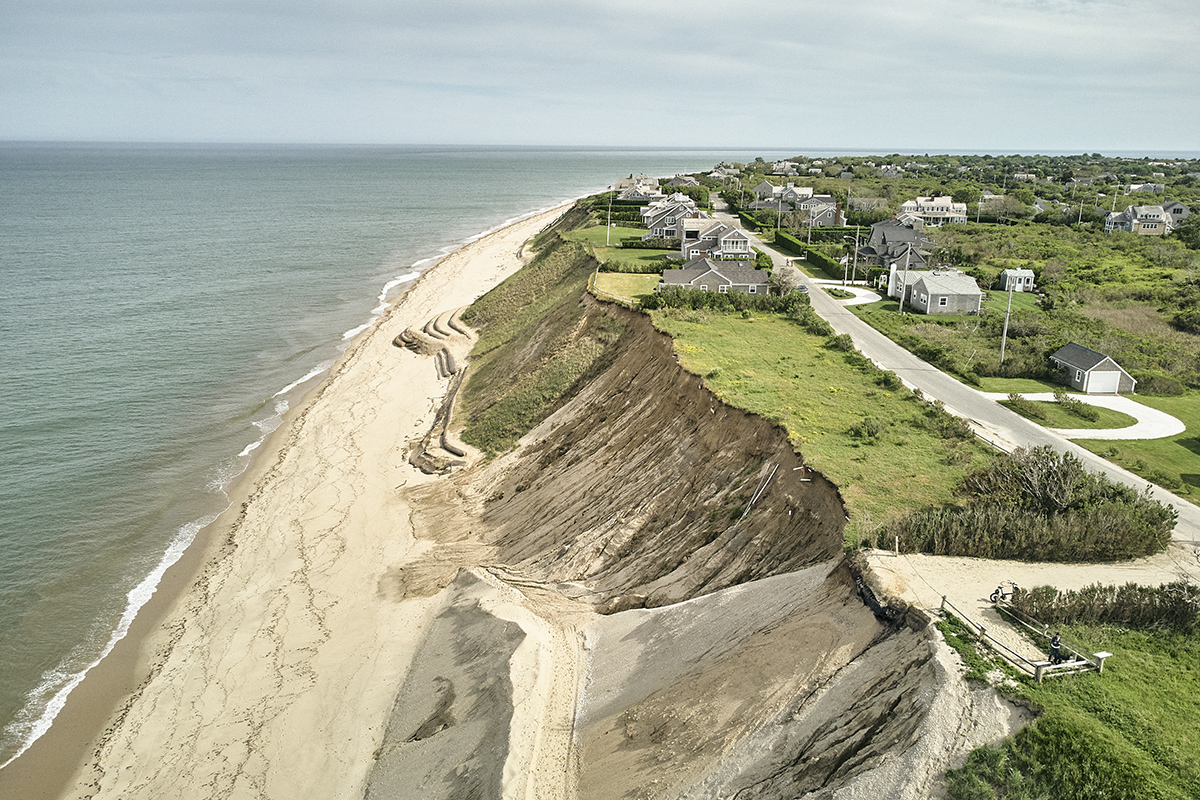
point(1056, 415)
point(613, 257)
point(1038, 505)
point(511, 389)
point(839, 294)
point(1173, 606)
point(855, 423)
point(1173, 462)
point(1126, 734)
point(629, 287)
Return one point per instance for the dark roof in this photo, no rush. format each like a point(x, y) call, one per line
point(1078, 356)
point(734, 272)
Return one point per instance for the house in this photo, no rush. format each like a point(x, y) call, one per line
point(1142, 220)
point(945, 292)
point(1090, 372)
point(705, 236)
point(717, 276)
point(661, 218)
point(1016, 280)
point(1024, 176)
point(1152, 188)
point(866, 203)
point(766, 190)
point(787, 168)
point(633, 180)
point(1176, 212)
point(642, 192)
point(890, 241)
point(682, 180)
point(934, 210)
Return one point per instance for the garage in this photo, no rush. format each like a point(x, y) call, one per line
point(1103, 382)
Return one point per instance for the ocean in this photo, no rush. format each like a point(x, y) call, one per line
point(160, 307)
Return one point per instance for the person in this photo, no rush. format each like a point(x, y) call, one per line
point(1056, 648)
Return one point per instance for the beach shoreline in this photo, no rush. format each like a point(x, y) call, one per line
point(105, 723)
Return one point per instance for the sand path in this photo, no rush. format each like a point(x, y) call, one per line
point(293, 619)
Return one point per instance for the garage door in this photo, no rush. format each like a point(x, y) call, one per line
point(1103, 382)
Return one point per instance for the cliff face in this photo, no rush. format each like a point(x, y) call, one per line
point(650, 491)
point(647, 598)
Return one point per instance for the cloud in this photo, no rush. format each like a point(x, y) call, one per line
point(960, 74)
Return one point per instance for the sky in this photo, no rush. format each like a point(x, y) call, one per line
point(924, 76)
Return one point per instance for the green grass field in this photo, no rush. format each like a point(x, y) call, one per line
point(1058, 417)
point(626, 285)
point(768, 365)
point(618, 258)
point(1174, 462)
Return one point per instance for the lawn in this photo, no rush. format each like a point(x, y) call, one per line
point(1018, 385)
point(998, 301)
point(615, 257)
point(768, 365)
point(1058, 417)
point(626, 285)
point(1174, 462)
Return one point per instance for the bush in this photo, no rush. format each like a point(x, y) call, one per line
point(1156, 383)
point(1026, 408)
point(633, 243)
point(841, 341)
point(1038, 505)
point(1174, 606)
point(1077, 407)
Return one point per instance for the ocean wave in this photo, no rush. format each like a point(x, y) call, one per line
point(58, 683)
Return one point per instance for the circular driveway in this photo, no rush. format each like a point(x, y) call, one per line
point(861, 295)
point(1151, 423)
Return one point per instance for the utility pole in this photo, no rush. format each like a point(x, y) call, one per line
point(608, 228)
point(1004, 336)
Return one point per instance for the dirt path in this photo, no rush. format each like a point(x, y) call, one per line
point(966, 582)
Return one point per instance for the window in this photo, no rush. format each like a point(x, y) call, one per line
point(704, 287)
point(924, 299)
point(943, 301)
point(753, 289)
point(723, 289)
point(1078, 374)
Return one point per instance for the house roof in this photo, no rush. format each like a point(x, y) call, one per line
point(1078, 356)
point(728, 272)
point(937, 283)
point(1017, 272)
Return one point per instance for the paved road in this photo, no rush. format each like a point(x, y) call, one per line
point(993, 422)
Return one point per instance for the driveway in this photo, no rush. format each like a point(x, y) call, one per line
point(992, 422)
point(861, 295)
point(1151, 423)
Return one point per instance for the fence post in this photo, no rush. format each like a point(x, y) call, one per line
point(1039, 671)
point(943, 604)
point(1100, 660)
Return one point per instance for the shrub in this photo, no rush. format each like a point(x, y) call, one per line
point(1156, 383)
point(1026, 408)
point(1174, 606)
point(841, 341)
point(869, 428)
point(1077, 407)
point(1038, 505)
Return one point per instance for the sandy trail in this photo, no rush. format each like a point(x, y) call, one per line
point(966, 582)
point(294, 618)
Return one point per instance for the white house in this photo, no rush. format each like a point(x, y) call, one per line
point(934, 210)
point(1017, 280)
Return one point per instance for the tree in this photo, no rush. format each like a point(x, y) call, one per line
point(1188, 232)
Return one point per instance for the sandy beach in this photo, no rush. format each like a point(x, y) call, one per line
point(272, 674)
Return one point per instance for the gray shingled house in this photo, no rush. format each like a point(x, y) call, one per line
point(1091, 372)
point(938, 292)
point(717, 276)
